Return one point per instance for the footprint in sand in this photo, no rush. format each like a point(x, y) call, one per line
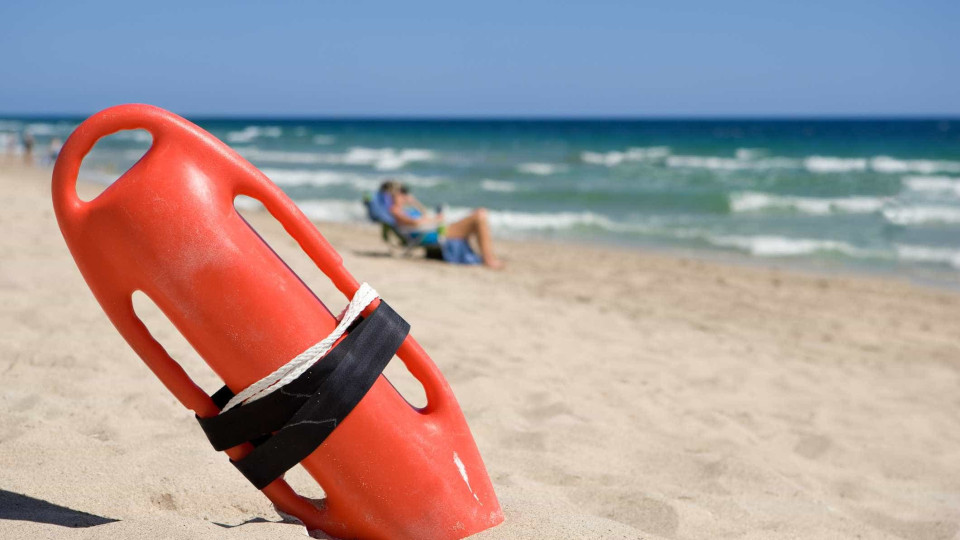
point(541, 413)
point(524, 440)
point(626, 506)
point(164, 501)
point(812, 446)
point(461, 373)
point(26, 403)
point(543, 406)
point(101, 433)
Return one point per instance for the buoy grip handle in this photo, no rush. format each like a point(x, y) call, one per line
point(81, 142)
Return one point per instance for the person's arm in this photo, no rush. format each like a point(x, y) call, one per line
point(417, 204)
point(402, 218)
point(405, 220)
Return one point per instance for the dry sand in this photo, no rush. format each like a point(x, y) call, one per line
point(612, 394)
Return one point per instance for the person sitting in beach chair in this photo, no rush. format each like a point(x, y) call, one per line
point(399, 240)
point(412, 223)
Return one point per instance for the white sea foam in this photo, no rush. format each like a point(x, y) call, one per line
point(918, 215)
point(138, 135)
point(753, 159)
point(827, 164)
point(44, 129)
point(279, 156)
point(545, 221)
point(361, 182)
point(541, 169)
point(880, 164)
point(321, 178)
point(886, 164)
point(929, 255)
point(758, 159)
point(730, 164)
point(750, 201)
point(324, 139)
point(933, 184)
point(336, 210)
point(612, 159)
point(382, 159)
point(242, 202)
point(780, 246)
point(498, 185)
point(386, 159)
point(250, 133)
point(333, 210)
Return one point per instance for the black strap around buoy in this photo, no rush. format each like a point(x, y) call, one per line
point(288, 425)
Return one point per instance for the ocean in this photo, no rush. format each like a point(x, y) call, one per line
point(878, 195)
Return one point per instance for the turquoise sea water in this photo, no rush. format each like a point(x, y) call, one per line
point(869, 194)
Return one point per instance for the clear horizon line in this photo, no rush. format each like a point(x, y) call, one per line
point(528, 117)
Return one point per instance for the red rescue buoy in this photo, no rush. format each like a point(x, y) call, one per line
point(168, 227)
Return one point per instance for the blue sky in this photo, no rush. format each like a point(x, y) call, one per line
point(687, 58)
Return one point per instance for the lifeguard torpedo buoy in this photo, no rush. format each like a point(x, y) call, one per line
point(168, 227)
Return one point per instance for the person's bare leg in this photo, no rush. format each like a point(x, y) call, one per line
point(477, 224)
point(463, 228)
point(485, 239)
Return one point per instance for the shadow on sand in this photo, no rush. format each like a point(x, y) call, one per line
point(23, 508)
point(373, 254)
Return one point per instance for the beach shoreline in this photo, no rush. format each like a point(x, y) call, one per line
point(613, 393)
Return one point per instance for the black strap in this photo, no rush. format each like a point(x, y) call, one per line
point(302, 414)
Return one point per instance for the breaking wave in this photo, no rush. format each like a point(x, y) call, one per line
point(381, 159)
point(546, 221)
point(780, 246)
point(926, 254)
point(759, 159)
point(731, 164)
point(541, 169)
point(933, 184)
point(612, 159)
point(498, 186)
point(361, 182)
point(919, 215)
point(250, 133)
point(336, 210)
point(750, 201)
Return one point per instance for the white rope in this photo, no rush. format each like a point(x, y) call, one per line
point(302, 362)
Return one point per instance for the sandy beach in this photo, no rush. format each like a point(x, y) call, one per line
point(612, 394)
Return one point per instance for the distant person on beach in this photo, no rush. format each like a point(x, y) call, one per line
point(27, 141)
point(411, 214)
point(53, 150)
